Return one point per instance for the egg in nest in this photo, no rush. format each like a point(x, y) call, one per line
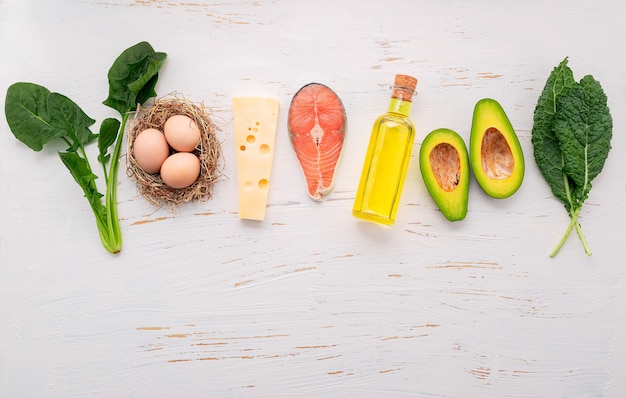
point(150, 150)
point(182, 133)
point(180, 170)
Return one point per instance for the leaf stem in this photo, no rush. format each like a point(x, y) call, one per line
point(106, 235)
point(105, 174)
point(579, 231)
point(113, 223)
point(564, 238)
point(573, 224)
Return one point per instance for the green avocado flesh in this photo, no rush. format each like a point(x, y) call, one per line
point(495, 152)
point(445, 170)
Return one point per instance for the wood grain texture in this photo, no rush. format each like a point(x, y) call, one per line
point(312, 302)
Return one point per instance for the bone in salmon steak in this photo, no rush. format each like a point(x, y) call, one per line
point(317, 123)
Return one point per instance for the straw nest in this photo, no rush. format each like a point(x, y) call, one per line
point(151, 186)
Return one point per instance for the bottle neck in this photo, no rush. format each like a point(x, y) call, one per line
point(400, 106)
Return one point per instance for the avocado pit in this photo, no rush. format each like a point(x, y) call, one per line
point(446, 166)
point(496, 155)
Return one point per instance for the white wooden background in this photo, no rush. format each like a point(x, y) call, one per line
point(313, 302)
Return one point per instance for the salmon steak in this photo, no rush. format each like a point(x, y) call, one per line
point(317, 124)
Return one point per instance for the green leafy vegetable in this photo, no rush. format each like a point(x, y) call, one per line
point(571, 139)
point(37, 116)
point(133, 76)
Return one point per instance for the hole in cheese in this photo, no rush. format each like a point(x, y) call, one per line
point(250, 139)
point(263, 183)
point(242, 148)
point(264, 149)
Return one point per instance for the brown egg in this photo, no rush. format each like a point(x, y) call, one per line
point(180, 170)
point(150, 150)
point(182, 133)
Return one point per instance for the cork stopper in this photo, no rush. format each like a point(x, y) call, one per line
point(404, 87)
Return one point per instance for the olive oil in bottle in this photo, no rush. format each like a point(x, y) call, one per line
point(387, 157)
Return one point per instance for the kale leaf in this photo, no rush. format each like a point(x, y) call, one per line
point(571, 139)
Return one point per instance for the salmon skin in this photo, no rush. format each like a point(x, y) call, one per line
point(317, 124)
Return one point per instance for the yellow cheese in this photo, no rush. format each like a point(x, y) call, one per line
point(255, 121)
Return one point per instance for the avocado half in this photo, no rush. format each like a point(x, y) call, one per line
point(445, 169)
point(495, 152)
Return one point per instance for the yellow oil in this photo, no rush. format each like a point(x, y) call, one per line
point(385, 166)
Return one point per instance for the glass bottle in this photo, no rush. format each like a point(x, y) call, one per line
point(387, 157)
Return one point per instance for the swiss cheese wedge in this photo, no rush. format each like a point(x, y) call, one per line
point(255, 121)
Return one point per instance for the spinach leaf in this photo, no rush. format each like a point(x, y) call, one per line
point(37, 116)
point(80, 170)
point(70, 121)
point(108, 133)
point(133, 77)
point(571, 139)
point(132, 80)
point(26, 109)
point(147, 91)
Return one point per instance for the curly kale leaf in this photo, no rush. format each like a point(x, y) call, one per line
point(583, 127)
point(571, 139)
point(547, 150)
